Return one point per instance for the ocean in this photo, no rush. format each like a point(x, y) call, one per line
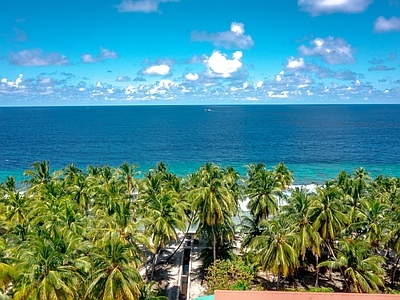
point(314, 141)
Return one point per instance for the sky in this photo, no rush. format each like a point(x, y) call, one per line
point(128, 52)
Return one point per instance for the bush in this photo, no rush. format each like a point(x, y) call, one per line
point(311, 290)
point(230, 275)
point(321, 290)
point(392, 291)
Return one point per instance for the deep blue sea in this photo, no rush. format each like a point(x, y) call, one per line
point(315, 142)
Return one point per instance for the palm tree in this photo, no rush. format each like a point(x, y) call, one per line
point(7, 277)
point(213, 203)
point(284, 175)
point(327, 213)
point(234, 181)
point(363, 271)
point(262, 188)
point(16, 207)
point(129, 173)
point(70, 172)
point(38, 175)
point(250, 229)
point(114, 274)
point(276, 248)
point(79, 191)
point(46, 206)
point(45, 273)
point(355, 191)
point(8, 185)
point(375, 223)
point(14, 215)
point(8, 273)
point(299, 210)
point(163, 213)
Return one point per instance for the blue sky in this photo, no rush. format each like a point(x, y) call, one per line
point(199, 52)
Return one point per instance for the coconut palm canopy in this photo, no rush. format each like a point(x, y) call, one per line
point(76, 234)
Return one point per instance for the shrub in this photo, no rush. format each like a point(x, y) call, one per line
point(311, 290)
point(230, 275)
point(321, 290)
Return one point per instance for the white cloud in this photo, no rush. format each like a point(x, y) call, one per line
point(259, 84)
point(382, 24)
point(283, 94)
point(219, 64)
point(87, 58)
point(381, 68)
point(334, 51)
point(318, 7)
point(130, 90)
point(36, 58)
point(301, 86)
point(15, 83)
point(18, 81)
point(232, 39)
point(166, 83)
point(324, 72)
point(104, 54)
point(192, 77)
point(142, 6)
point(157, 70)
point(295, 63)
point(162, 87)
point(279, 76)
point(123, 79)
point(237, 28)
point(45, 80)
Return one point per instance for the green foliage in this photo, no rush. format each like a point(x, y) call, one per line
point(321, 290)
point(311, 290)
point(392, 291)
point(224, 252)
point(148, 292)
point(72, 233)
point(214, 202)
point(363, 271)
point(230, 275)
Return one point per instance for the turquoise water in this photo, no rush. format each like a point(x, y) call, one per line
point(316, 142)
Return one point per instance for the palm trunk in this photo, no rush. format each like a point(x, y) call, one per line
point(153, 265)
point(394, 272)
point(341, 270)
point(155, 257)
point(317, 271)
point(328, 244)
point(333, 255)
point(214, 245)
point(277, 281)
point(180, 244)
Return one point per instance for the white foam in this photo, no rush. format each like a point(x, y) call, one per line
point(311, 188)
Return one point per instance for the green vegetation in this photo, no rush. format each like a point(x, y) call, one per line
point(230, 275)
point(75, 234)
point(311, 290)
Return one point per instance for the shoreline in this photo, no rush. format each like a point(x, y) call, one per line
point(304, 174)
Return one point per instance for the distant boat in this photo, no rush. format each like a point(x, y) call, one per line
point(208, 109)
